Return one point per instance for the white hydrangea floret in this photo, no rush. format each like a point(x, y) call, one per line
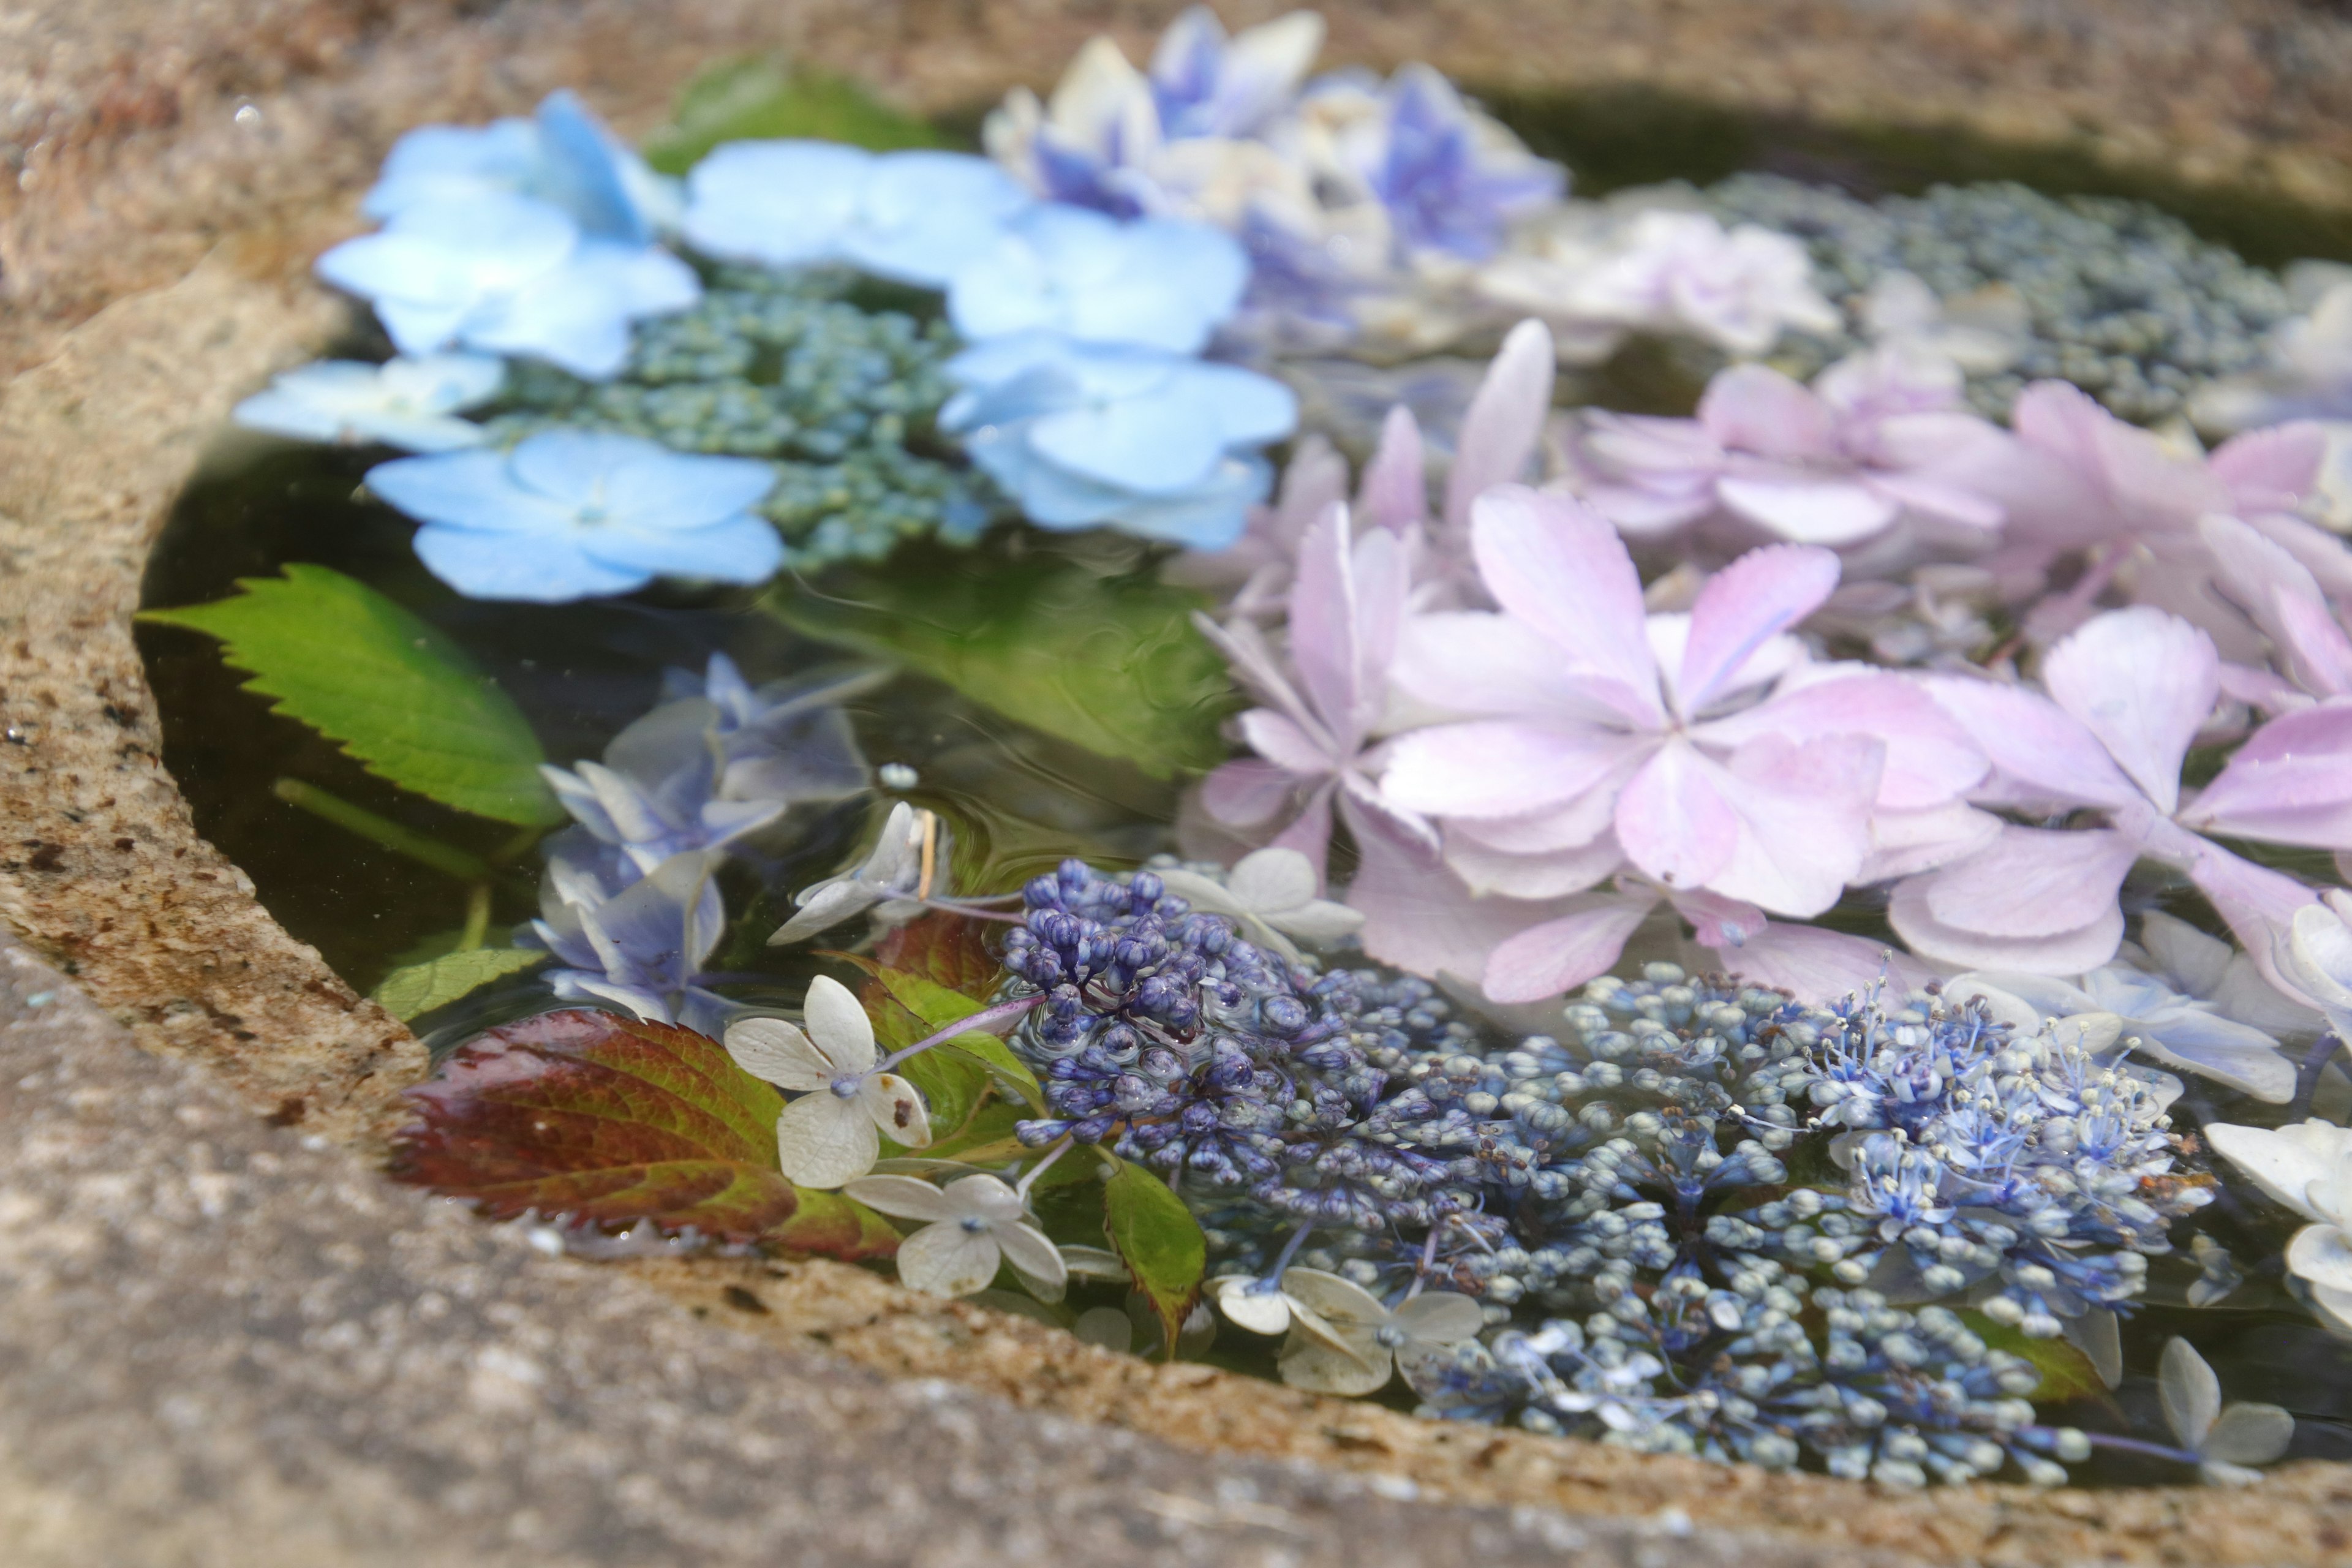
point(833, 1132)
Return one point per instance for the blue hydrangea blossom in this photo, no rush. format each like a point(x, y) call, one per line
point(1160, 282)
point(564, 156)
point(572, 514)
point(634, 943)
point(411, 403)
point(913, 217)
point(1089, 435)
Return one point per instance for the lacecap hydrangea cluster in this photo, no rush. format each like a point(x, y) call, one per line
point(1703, 1218)
point(784, 365)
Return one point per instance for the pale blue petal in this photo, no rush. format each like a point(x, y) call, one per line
point(1050, 496)
point(1213, 517)
point(1252, 409)
point(574, 467)
point(281, 412)
point(925, 214)
point(1001, 359)
point(742, 549)
point(416, 432)
point(1160, 442)
point(440, 162)
point(580, 171)
point(420, 329)
point(782, 203)
point(465, 490)
point(682, 489)
point(444, 383)
point(542, 570)
point(577, 316)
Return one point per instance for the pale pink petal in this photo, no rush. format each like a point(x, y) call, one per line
point(2258, 905)
point(1346, 610)
point(1673, 819)
point(2143, 683)
point(1550, 875)
point(2035, 745)
point(1929, 758)
point(1246, 792)
point(2272, 469)
point(1417, 914)
point(1803, 816)
point(1716, 921)
point(2061, 953)
point(1571, 826)
point(1476, 662)
point(1395, 492)
point(2031, 882)
point(1494, 768)
point(1806, 511)
point(1554, 564)
point(2322, 554)
point(1285, 745)
point(1504, 421)
point(2291, 782)
point(2315, 644)
point(2265, 580)
point(1939, 499)
point(1560, 954)
point(1750, 408)
point(1309, 833)
point(1902, 843)
point(1743, 608)
point(1814, 965)
point(2142, 482)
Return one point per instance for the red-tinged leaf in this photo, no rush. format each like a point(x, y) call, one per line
point(949, 951)
point(611, 1122)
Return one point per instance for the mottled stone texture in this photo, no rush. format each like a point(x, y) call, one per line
point(226, 1341)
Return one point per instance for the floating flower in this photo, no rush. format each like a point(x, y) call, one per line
point(511, 276)
point(2226, 1439)
point(564, 156)
point(833, 1132)
point(410, 404)
point(907, 864)
point(1834, 464)
point(1088, 435)
point(1272, 893)
point(2316, 959)
point(975, 1222)
point(1706, 749)
point(915, 217)
point(2126, 695)
point(1162, 283)
point(569, 514)
point(2307, 1168)
point(1373, 1340)
point(636, 941)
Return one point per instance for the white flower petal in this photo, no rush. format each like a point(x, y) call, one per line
point(2323, 1255)
point(823, 1141)
point(1441, 1317)
point(1093, 1263)
point(946, 1260)
point(2250, 1435)
point(2191, 1394)
point(1106, 1326)
point(1317, 921)
point(1359, 1365)
point(896, 1110)
point(908, 1198)
point(2285, 1162)
point(838, 1024)
point(825, 905)
point(1341, 1302)
point(777, 1051)
point(1034, 1258)
point(1273, 879)
point(1251, 1304)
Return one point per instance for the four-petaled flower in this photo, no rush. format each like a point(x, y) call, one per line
point(975, 1222)
point(901, 868)
point(2307, 1168)
point(411, 403)
point(833, 1132)
point(569, 514)
point(1162, 283)
point(2226, 1439)
point(914, 217)
point(1365, 1341)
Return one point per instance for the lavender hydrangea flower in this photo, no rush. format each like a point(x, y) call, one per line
point(634, 942)
point(1159, 282)
point(411, 403)
point(564, 156)
point(1089, 435)
point(571, 514)
point(509, 275)
point(915, 217)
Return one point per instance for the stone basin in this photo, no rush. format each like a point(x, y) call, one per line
point(224, 1339)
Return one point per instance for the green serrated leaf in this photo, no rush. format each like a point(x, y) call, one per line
point(418, 989)
point(938, 1008)
point(610, 1121)
point(2066, 1372)
point(1159, 1240)
point(388, 687)
point(748, 100)
point(1112, 663)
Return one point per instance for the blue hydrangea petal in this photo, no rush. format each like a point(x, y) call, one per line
point(580, 171)
point(1252, 409)
point(453, 163)
point(1162, 441)
point(782, 203)
point(1211, 517)
point(577, 316)
point(1050, 496)
point(475, 491)
point(680, 490)
point(926, 214)
point(741, 549)
point(450, 254)
point(549, 570)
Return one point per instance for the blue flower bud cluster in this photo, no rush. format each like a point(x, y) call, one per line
point(842, 400)
point(1628, 1185)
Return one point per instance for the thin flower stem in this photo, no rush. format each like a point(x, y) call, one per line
point(985, 1021)
point(446, 858)
point(1289, 1250)
point(1428, 1260)
point(1022, 1187)
point(2307, 1075)
point(2142, 1446)
point(478, 917)
point(953, 906)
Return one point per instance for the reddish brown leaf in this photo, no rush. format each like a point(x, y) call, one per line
point(612, 1122)
point(949, 951)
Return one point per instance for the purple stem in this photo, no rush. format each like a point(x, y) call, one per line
point(949, 906)
point(985, 1021)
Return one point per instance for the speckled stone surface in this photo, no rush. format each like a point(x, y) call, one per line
point(222, 1340)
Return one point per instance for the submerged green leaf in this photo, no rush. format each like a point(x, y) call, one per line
point(1112, 663)
point(611, 1122)
point(2066, 1372)
point(413, 991)
point(1161, 1242)
point(748, 100)
point(390, 689)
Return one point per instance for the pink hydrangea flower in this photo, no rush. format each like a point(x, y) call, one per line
point(2126, 695)
point(1871, 443)
point(1707, 750)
